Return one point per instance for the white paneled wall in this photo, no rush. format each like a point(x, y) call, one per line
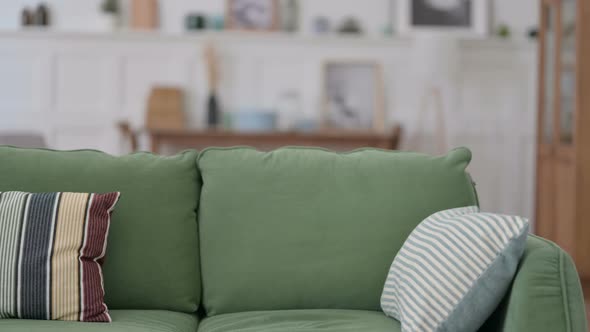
point(74, 87)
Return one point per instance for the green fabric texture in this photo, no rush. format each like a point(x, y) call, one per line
point(152, 259)
point(123, 321)
point(301, 321)
point(545, 296)
point(304, 228)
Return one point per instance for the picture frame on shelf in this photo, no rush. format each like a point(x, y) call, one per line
point(252, 15)
point(465, 18)
point(353, 96)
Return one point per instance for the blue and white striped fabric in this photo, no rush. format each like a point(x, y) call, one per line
point(453, 270)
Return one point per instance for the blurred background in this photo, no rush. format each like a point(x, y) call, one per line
point(500, 77)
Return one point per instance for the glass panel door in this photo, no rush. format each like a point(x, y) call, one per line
point(567, 86)
point(548, 98)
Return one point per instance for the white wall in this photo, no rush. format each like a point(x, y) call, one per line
point(78, 14)
point(74, 87)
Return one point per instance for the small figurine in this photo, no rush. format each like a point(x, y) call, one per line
point(26, 18)
point(350, 26)
point(41, 17)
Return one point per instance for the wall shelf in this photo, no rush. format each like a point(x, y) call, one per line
point(264, 37)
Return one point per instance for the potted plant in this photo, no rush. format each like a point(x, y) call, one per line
point(109, 18)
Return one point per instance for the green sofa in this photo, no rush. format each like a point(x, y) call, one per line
point(296, 239)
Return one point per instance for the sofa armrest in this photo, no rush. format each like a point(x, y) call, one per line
point(545, 295)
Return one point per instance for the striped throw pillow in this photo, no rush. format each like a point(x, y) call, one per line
point(453, 270)
point(51, 247)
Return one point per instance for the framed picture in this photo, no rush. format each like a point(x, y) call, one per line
point(353, 96)
point(463, 17)
point(254, 15)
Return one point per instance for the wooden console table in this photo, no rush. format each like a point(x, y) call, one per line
point(271, 140)
point(335, 140)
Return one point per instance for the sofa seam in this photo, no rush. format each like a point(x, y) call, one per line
point(550, 243)
point(180, 153)
point(473, 187)
point(291, 147)
point(564, 294)
point(201, 153)
point(562, 282)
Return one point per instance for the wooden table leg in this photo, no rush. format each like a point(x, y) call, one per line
point(155, 144)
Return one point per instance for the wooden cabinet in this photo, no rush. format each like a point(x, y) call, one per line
point(563, 143)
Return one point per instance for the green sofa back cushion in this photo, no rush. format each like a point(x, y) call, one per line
point(301, 228)
point(152, 251)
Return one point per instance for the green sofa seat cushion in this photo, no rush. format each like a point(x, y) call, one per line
point(152, 259)
point(123, 321)
point(304, 228)
point(301, 321)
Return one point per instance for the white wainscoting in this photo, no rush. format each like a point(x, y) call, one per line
point(74, 88)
